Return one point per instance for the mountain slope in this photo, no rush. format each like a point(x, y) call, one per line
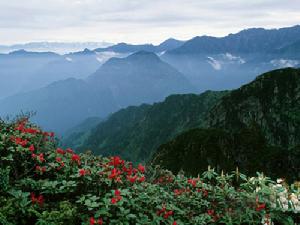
point(136, 132)
point(272, 101)
point(256, 127)
point(195, 150)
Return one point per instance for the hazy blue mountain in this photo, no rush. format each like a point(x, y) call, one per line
point(168, 44)
point(17, 67)
point(289, 50)
point(73, 65)
point(57, 47)
point(125, 48)
point(230, 61)
point(254, 40)
point(62, 104)
point(140, 77)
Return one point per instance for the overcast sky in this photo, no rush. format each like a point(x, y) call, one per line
point(137, 21)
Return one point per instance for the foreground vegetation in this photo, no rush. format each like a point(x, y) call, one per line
point(43, 184)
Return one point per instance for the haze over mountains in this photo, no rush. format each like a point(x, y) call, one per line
point(91, 83)
point(140, 77)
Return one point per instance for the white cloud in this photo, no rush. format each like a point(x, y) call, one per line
point(214, 63)
point(137, 21)
point(280, 63)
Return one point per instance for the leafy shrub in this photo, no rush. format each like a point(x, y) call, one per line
point(42, 184)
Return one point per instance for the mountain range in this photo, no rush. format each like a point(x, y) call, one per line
point(57, 47)
point(125, 74)
point(140, 77)
point(223, 60)
point(250, 127)
point(166, 45)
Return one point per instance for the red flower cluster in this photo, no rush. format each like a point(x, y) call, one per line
point(141, 168)
point(37, 199)
point(19, 141)
point(76, 158)
point(60, 151)
point(193, 182)
point(41, 169)
point(164, 180)
point(94, 221)
point(116, 161)
point(83, 172)
point(117, 197)
point(119, 169)
point(165, 213)
point(31, 148)
point(260, 206)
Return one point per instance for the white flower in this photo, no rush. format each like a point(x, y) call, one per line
point(279, 180)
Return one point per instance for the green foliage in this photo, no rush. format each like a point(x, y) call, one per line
point(44, 184)
point(247, 149)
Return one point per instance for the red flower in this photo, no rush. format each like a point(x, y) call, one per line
point(82, 172)
point(31, 148)
point(193, 182)
point(58, 159)
point(70, 151)
point(141, 168)
point(114, 201)
point(210, 212)
point(132, 179)
point(76, 158)
point(60, 151)
point(161, 211)
point(260, 207)
point(114, 173)
point(116, 161)
point(117, 192)
point(39, 200)
point(41, 157)
point(92, 221)
point(100, 221)
point(167, 214)
point(174, 223)
point(142, 179)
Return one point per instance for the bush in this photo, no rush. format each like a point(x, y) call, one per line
point(43, 184)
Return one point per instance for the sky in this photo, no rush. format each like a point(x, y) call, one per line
point(137, 21)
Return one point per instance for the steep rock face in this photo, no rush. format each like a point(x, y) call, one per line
point(272, 101)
